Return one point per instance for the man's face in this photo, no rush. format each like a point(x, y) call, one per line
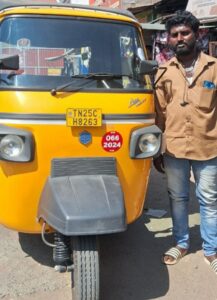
point(182, 40)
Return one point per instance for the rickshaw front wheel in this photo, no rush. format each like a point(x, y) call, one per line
point(85, 274)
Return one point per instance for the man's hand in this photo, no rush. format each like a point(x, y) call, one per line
point(159, 164)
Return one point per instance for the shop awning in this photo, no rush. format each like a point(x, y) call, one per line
point(153, 26)
point(205, 11)
point(139, 3)
point(159, 26)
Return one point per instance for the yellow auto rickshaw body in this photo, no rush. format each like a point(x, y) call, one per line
point(46, 108)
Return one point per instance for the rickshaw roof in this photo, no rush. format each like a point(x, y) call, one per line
point(5, 4)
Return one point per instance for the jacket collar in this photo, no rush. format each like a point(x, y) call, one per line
point(205, 59)
point(202, 62)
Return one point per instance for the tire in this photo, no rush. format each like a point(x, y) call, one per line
point(85, 275)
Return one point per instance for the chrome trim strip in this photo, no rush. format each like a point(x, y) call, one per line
point(37, 117)
point(53, 122)
point(112, 117)
point(60, 119)
point(32, 121)
point(136, 121)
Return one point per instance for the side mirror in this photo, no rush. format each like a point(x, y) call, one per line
point(9, 62)
point(148, 67)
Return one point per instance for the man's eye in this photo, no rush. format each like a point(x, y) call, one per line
point(182, 33)
point(185, 33)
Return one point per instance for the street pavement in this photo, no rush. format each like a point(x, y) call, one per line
point(131, 267)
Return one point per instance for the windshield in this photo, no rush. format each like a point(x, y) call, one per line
point(56, 51)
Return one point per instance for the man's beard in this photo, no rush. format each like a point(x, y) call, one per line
point(185, 50)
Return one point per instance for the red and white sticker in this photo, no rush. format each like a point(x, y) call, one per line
point(112, 141)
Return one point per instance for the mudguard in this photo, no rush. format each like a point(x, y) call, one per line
point(83, 204)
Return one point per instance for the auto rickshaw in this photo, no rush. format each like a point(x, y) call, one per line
point(77, 131)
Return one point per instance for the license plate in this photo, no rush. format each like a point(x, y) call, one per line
point(91, 117)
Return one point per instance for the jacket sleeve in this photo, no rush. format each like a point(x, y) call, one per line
point(160, 104)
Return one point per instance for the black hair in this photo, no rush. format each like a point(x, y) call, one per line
point(183, 17)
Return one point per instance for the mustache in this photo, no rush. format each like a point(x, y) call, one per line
point(180, 44)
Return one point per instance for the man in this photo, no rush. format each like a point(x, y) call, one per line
point(186, 111)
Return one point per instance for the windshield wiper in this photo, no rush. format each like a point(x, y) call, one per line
point(104, 76)
point(92, 76)
point(64, 86)
point(15, 73)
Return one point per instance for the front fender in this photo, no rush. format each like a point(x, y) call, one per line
point(83, 204)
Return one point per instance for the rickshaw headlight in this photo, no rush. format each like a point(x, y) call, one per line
point(11, 146)
point(16, 145)
point(148, 143)
point(145, 142)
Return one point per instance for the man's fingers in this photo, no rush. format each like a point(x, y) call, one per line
point(159, 164)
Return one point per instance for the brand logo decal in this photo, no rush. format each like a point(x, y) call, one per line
point(85, 138)
point(136, 102)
